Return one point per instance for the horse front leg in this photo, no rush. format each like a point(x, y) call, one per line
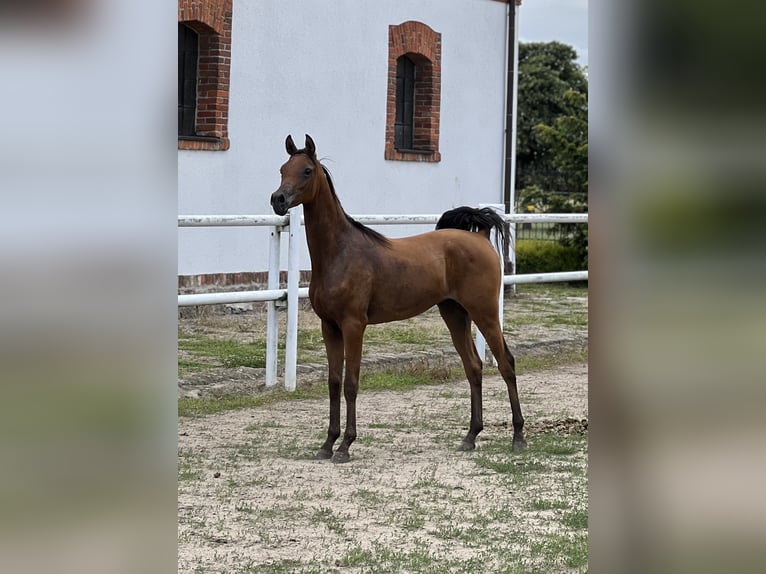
point(353, 335)
point(333, 341)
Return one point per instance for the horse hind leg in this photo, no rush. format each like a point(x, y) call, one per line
point(489, 325)
point(459, 324)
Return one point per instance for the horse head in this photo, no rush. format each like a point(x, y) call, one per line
point(299, 176)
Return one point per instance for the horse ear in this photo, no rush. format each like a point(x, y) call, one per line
point(310, 147)
point(290, 146)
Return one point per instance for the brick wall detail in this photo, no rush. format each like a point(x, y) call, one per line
point(211, 19)
point(423, 46)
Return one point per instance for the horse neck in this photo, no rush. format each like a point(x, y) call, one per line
point(325, 223)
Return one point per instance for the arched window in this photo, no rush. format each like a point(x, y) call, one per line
point(204, 62)
point(188, 53)
point(414, 93)
point(405, 103)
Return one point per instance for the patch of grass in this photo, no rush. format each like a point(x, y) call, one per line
point(517, 466)
point(542, 455)
point(572, 552)
point(190, 407)
point(276, 567)
point(228, 353)
point(249, 451)
point(400, 333)
point(187, 472)
point(188, 366)
point(308, 340)
point(577, 520)
point(404, 380)
point(327, 517)
point(557, 290)
point(383, 426)
point(189, 464)
point(373, 381)
point(245, 507)
point(579, 319)
point(356, 556)
point(408, 380)
point(474, 536)
point(448, 532)
point(542, 362)
point(369, 497)
point(556, 445)
point(414, 519)
point(387, 560)
point(542, 504)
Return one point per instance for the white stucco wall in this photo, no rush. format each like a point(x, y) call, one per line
point(320, 67)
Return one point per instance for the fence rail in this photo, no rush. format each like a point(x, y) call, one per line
point(426, 219)
point(288, 224)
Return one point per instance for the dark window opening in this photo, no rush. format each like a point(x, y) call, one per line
point(188, 51)
point(405, 103)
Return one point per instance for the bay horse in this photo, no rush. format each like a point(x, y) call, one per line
point(360, 277)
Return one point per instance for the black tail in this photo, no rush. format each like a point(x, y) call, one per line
point(472, 219)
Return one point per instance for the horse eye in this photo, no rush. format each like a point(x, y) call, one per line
point(307, 171)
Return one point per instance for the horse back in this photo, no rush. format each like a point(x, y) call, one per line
point(418, 272)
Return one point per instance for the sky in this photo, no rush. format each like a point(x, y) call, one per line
point(565, 21)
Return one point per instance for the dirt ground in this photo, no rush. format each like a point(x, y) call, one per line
point(253, 499)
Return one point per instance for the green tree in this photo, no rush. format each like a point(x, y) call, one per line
point(547, 72)
point(566, 142)
point(552, 141)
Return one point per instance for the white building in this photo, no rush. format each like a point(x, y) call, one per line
point(269, 68)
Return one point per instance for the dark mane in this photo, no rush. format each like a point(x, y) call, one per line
point(370, 233)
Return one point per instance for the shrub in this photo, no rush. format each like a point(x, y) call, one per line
point(536, 256)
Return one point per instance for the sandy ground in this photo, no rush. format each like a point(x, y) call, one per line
point(252, 498)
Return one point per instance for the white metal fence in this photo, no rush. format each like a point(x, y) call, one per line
point(288, 224)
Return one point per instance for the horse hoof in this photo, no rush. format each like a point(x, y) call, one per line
point(466, 446)
point(324, 454)
point(519, 444)
point(340, 457)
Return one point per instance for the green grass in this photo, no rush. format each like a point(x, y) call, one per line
point(331, 521)
point(356, 556)
point(571, 552)
point(552, 290)
point(370, 381)
point(374, 381)
point(543, 504)
point(542, 362)
point(556, 445)
point(188, 366)
point(577, 520)
point(228, 353)
point(308, 340)
point(191, 407)
point(546, 452)
point(189, 464)
point(279, 567)
point(515, 467)
point(400, 333)
point(187, 472)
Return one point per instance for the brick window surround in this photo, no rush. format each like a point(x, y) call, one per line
point(423, 47)
point(211, 19)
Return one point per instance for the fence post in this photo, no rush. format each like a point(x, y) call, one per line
point(293, 278)
point(512, 252)
point(272, 324)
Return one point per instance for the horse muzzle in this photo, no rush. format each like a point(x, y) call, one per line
point(281, 201)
